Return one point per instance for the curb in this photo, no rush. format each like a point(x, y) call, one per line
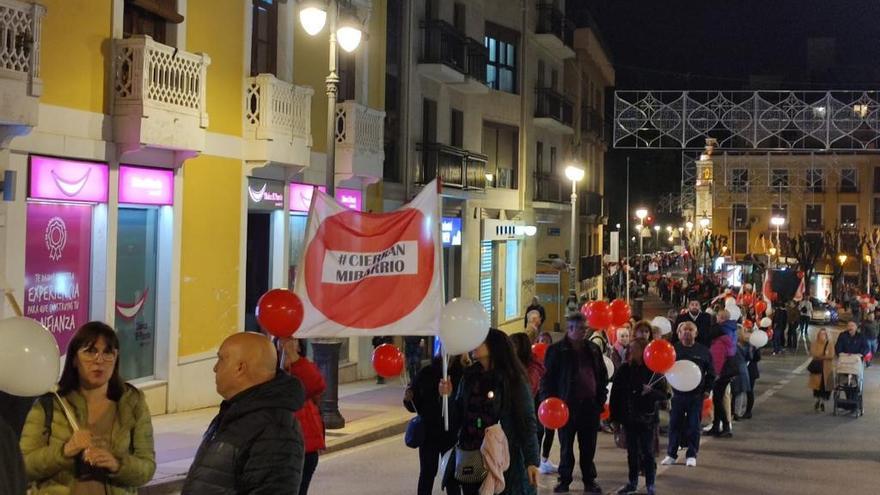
point(173, 484)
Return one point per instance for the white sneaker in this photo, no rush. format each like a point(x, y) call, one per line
point(547, 467)
point(667, 461)
point(691, 462)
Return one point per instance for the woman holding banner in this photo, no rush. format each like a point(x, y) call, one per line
point(105, 446)
point(494, 390)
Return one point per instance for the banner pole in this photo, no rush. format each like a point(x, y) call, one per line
point(445, 397)
point(443, 302)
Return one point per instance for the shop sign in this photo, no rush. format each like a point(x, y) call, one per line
point(301, 196)
point(67, 180)
point(146, 186)
point(350, 198)
point(547, 278)
point(265, 194)
point(502, 230)
point(554, 231)
point(57, 267)
point(450, 231)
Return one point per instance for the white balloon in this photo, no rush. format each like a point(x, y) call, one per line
point(765, 322)
point(663, 324)
point(464, 325)
point(735, 313)
point(609, 365)
point(29, 357)
point(758, 338)
point(684, 375)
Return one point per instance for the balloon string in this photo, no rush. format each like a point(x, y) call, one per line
point(654, 381)
point(10, 297)
point(70, 417)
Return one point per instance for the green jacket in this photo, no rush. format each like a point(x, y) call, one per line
point(131, 443)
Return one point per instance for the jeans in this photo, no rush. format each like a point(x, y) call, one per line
point(721, 420)
point(684, 423)
point(584, 424)
point(310, 463)
point(429, 460)
point(640, 452)
point(872, 346)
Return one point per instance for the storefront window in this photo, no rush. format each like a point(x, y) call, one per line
point(136, 254)
point(297, 243)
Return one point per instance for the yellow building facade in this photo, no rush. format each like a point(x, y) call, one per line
point(182, 111)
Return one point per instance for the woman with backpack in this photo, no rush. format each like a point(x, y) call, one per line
point(107, 448)
point(494, 390)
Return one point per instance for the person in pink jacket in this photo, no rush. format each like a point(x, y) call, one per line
point(722, 348)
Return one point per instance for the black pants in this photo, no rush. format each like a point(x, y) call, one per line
point(310, 463)
point(802, 329)
point(584, 423)
point(429, 460)
point(684, 424)
point(545, 440)
point(721, 421)
point(640, 452)
point(750, 395)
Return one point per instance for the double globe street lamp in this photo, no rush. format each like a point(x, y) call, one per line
point(574, 174)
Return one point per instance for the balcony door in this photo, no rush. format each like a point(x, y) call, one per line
point(149, 17)
point(264, 37)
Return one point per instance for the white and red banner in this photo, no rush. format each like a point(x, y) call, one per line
point(371, 273)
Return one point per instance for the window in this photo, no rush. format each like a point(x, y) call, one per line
point(815, 180)
point(429, 121)
point(779, 179)
point(456, 131)
point(500, 145)
point(739, 179)
point(740, 215)
point(539, 157)
point(264, 37)
point(848, 214)
point(136, 261)
point(149, 17)
point(501, 44)
point(347, 71)
point(511, 280)
point(849, 180)
point(553, 160)
point(740, 242)
point(458, 17)
point(813, 215)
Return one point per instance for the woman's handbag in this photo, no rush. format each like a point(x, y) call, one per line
point(415, 433)
point(469, 466)
point(815, 367)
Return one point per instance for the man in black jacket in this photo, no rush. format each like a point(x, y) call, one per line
point(254, 445)
point(576, 374)
point(698, 317)
point(687, 407)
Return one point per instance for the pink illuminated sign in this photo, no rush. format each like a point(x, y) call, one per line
point(349, 198)
point(67, 180)
point(145, 186)
point(301, 196)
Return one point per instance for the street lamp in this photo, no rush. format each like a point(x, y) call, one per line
point(842, 259)
point(772, 252)
point(689, 225)
point(778, 221)
point(641, 213)
point(657, 238)
point(313, 15)
point(704, 223)
point(868, 260)
point(574, 174)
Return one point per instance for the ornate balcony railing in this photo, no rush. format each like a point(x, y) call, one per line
point(20, 30)
point(456, 167)
point(152, 74)
point(359, 127)
point(276, 108)
point(550, 104)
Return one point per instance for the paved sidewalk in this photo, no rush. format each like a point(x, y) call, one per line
point(371, 412)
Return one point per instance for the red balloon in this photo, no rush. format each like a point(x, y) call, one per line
point(869, 357)
point(598, 314)
point(620, 312)
point(387, 361)
point(707, 406)
point(748, 300)
point(606, 412)
point(280, 312)
point(760, 307)
point(748, 324)
point(659, 356)
point(539, 350)
point(553, 413)
point(770, 334)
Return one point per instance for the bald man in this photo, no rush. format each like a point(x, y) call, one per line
point(254, 445)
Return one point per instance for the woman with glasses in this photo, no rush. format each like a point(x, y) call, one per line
point(111, 453)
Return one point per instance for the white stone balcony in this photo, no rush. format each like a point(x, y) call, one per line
point(360, 149)
point(277, 122)
point(20, 84)
point(160, 115)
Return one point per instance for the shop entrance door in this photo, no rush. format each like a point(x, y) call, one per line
point(258, 264)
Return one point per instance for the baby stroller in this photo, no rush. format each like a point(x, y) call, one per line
point(848, 383)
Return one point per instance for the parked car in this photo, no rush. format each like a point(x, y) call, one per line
point(823, 313)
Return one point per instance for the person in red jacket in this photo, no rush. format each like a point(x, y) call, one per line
point(309, 417)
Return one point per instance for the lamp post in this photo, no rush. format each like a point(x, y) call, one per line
point(574, 174)
point(657, 238)
point(313, 15)
point(641, 214)
point(842, 257)
point(704, 225)
point(778, 221)
point(868, 261)
point(772, 252)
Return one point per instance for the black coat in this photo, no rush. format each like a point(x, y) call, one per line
point(628, 404)
point(254, 445)
point(561, 366)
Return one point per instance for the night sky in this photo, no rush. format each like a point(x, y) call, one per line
point(720, 44)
